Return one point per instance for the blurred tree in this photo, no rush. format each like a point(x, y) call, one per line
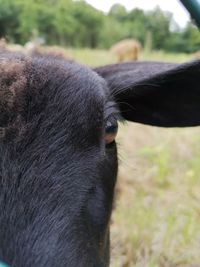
point(9, 20)
point(112, 32)
point(148, 42)
point(63, 22)
point(88, 24)
point(137, 24)
point(175, 43)
point(76, 23)
point(191, 37)
point(28, 19)
point(118, 12)
point(158, 23)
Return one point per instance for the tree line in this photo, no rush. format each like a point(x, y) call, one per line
point(78, 24)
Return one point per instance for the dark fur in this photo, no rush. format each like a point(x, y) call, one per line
point(57, 176)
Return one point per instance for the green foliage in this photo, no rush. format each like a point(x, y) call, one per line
point(89, 24)
point(78, 24)
point(9, 19)
point(118, 12)
point(158, 23)
point(192, 37)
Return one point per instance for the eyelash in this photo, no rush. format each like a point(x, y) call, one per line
point(112, 116)
point(111, 129)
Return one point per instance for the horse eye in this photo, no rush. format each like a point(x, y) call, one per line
point(111, 129)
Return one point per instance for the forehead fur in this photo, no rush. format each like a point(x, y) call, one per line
point(12, 83)
point(62, 91)
point(12, 75)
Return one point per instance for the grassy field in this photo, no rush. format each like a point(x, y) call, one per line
point(156, 221)
point(101, 57)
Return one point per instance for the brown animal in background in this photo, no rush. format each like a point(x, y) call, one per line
point(128, 49)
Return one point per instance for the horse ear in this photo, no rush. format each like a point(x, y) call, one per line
point(156, 93)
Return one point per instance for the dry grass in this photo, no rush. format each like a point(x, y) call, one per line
point(156, 220)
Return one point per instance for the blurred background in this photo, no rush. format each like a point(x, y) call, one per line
point(156, 216)
point(163, 28)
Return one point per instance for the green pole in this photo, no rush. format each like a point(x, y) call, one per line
point(193, 6)
point(2, 264)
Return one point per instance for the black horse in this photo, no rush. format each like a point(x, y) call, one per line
point(58, 157)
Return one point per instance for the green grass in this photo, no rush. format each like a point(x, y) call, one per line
point(156, 219)
point(102, 57)
point(169, 57)
point(92, 57)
